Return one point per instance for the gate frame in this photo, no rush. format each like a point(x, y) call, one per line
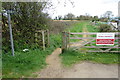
point(66, 41)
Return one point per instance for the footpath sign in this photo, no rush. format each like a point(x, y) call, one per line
point(105, 39)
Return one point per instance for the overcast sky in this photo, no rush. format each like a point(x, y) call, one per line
point(81, 7)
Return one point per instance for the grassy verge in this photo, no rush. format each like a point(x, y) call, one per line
point(23, 64)
point(71, 57)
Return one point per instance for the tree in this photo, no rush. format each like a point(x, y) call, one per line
point(82, 17)
point(69, 16)
point(96, 18)
point(59, 17)
point(28, 17)
point(108, 14)
point(56, 18)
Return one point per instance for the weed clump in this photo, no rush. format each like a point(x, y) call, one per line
point(104, 28)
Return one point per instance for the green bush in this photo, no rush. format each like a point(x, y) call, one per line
point(27, 19)
point(104, 28)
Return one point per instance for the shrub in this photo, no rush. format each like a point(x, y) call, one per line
point(105, 28)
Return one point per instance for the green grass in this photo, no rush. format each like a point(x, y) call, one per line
point(23, 64)
point(77, 28)
point(71, 57)
point(92, 28)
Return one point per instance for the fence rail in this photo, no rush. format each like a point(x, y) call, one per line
point(88, 37)
point(105, 51)
point(92, 42)
point(93, 33)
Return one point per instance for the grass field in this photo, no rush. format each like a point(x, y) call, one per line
point(71, 57)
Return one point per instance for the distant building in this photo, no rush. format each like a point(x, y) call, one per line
point(119, 9)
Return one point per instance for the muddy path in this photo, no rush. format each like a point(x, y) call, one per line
point(85, 69)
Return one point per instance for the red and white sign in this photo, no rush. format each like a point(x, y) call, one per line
point(105, 39)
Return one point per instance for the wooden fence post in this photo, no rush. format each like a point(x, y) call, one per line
point(64, 41)
point(69, 39)
point(43, 40)
point(36, 34)
point(43, 37)
point(48, 40)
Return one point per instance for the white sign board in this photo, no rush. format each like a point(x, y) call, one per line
point(105, 38)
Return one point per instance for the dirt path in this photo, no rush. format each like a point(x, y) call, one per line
point(54, 68)
point(81, 70)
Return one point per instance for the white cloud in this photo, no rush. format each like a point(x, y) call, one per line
point(92, 7)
